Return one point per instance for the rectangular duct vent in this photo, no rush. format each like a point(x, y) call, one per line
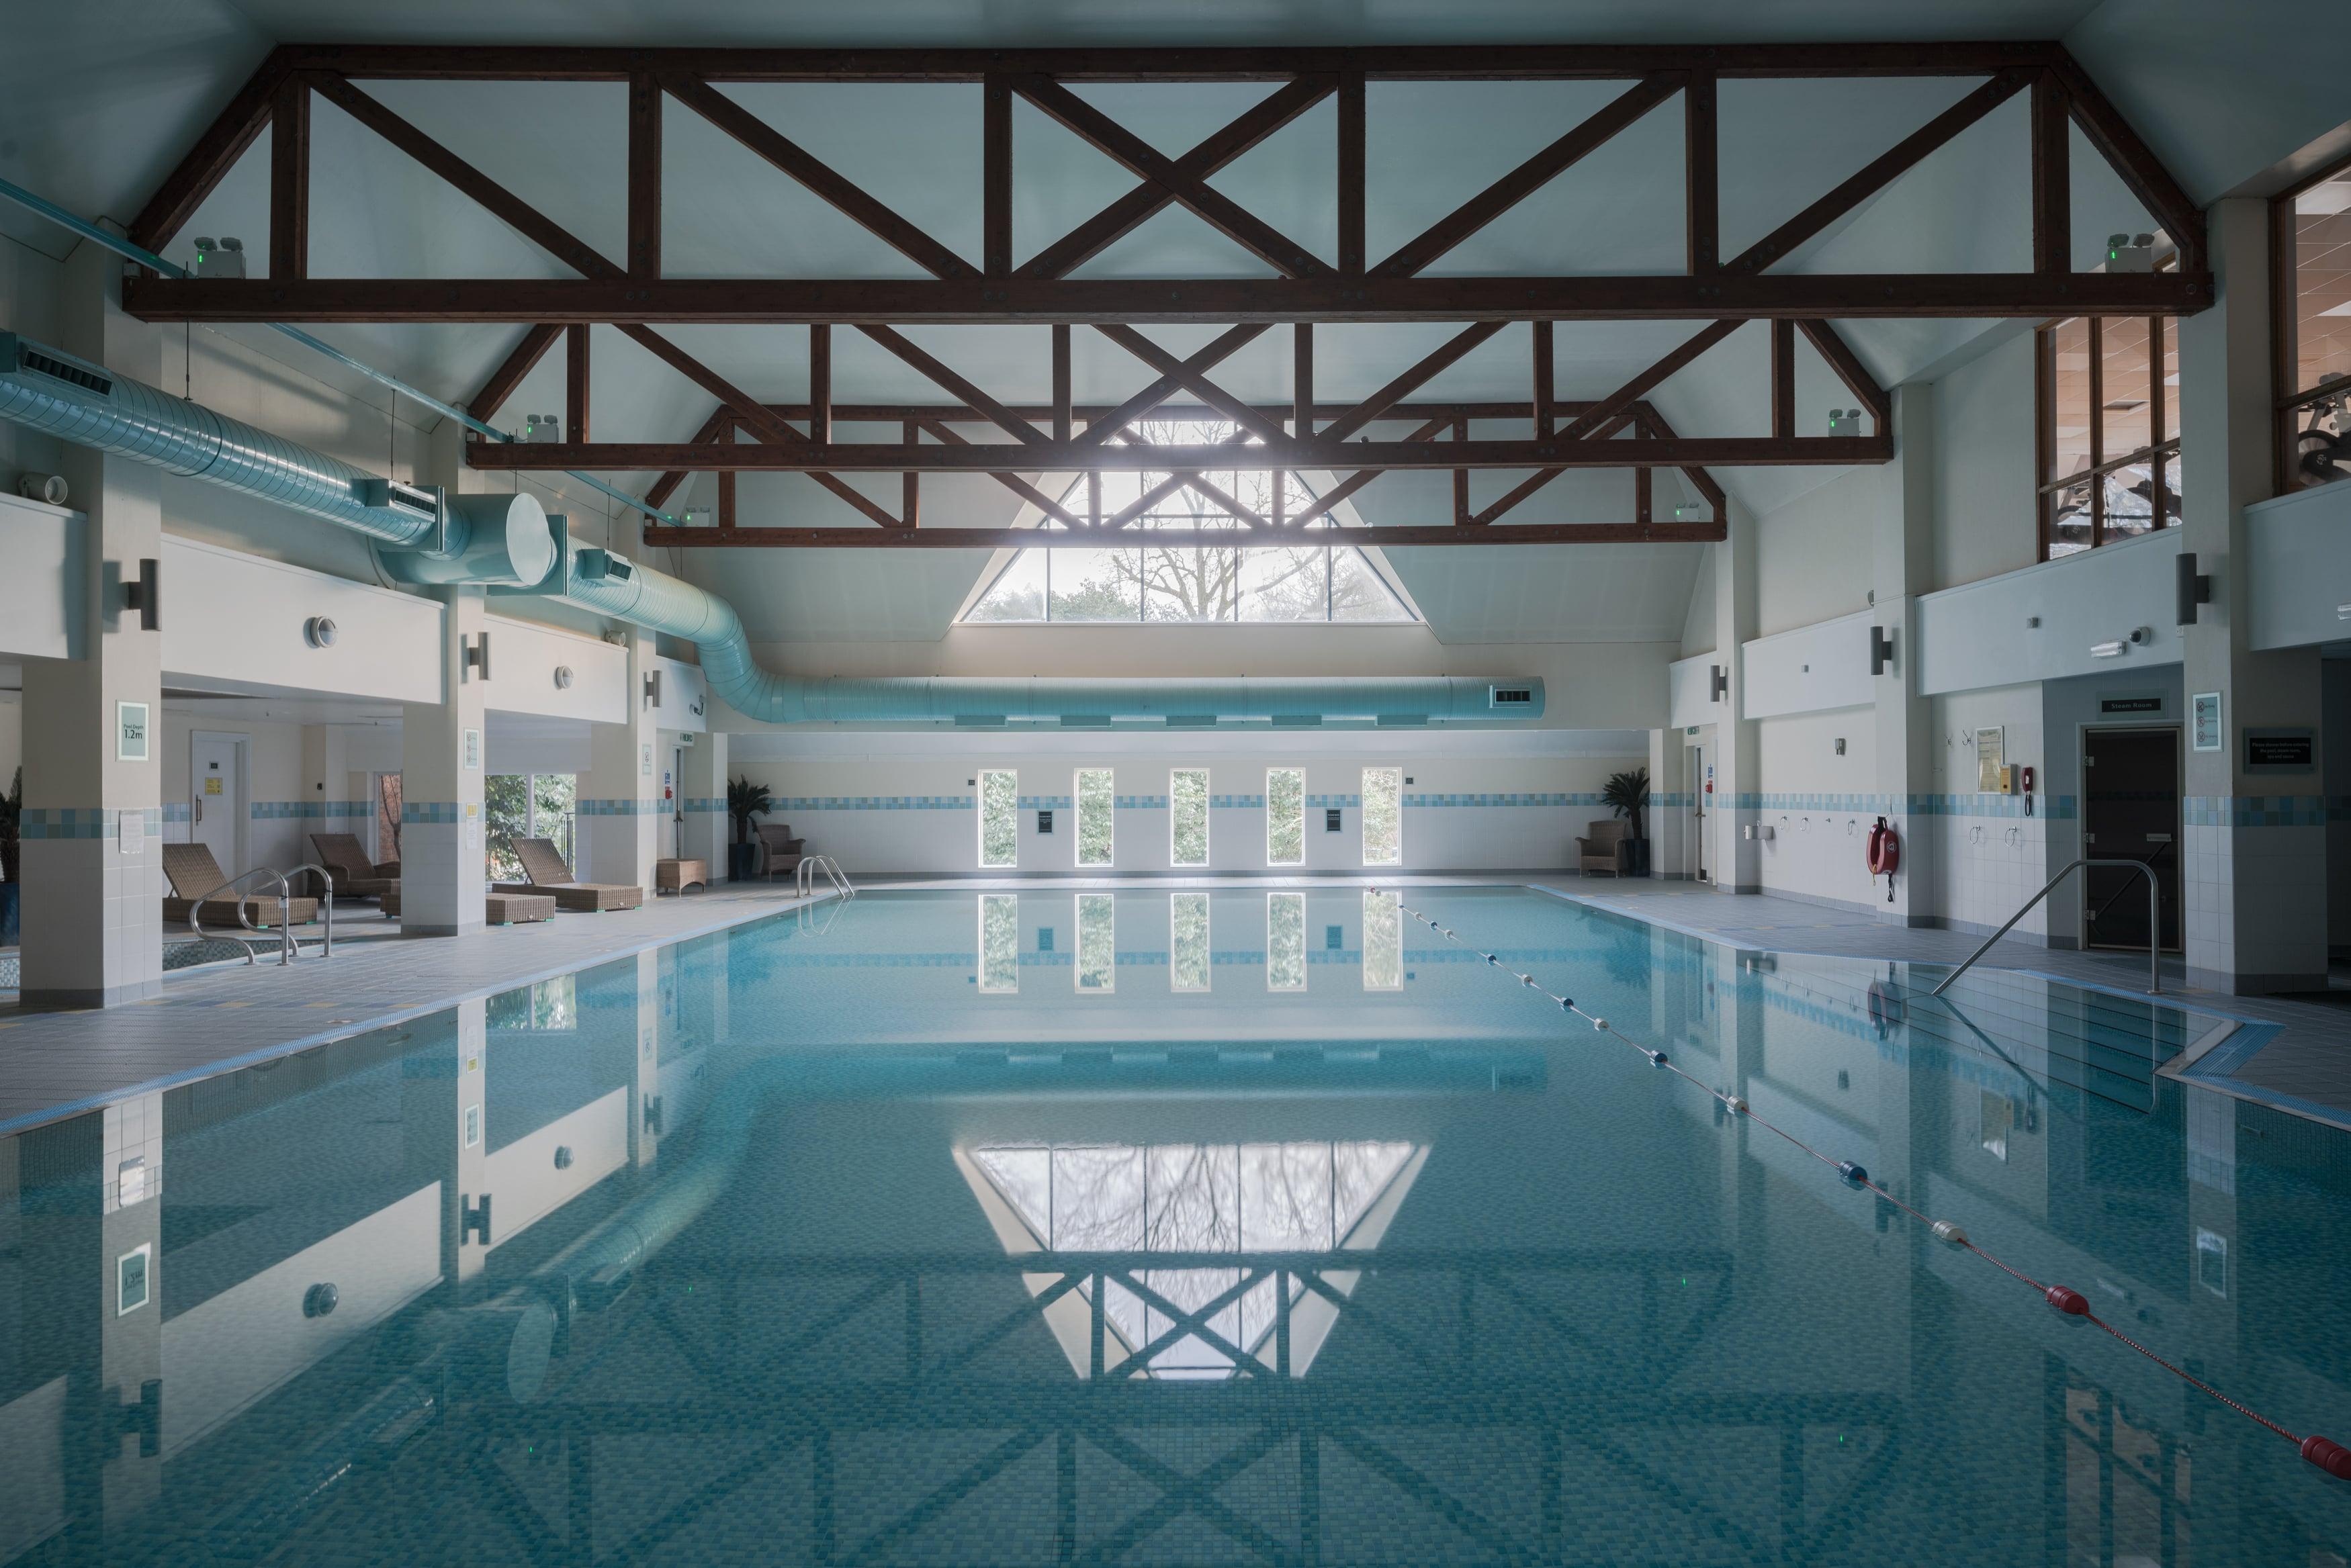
point(73, 375)
point(979, 720)
point(1191, 721)
point(392, 495)
point(1514, 696)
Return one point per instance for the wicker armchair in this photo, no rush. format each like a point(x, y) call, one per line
point(779, 849)
point(1604, 848)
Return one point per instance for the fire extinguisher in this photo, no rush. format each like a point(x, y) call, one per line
point(1885, 855)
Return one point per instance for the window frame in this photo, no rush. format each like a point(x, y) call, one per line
point(1078, 816)
point(1207, 821)
point(1288, 899)
point(1079, 953)
point(989, 902)
point(979, 801)
point(1270, 861)
point(2285, 335)
point(1208, 907)
point(2159, 454)
point(1363, 815)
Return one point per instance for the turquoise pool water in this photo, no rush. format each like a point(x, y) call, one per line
point(1182, 1228)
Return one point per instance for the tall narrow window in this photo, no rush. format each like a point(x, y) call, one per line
point(1187, 817)
point(999, 941)
point(1285, 941)
point(1383, 816)
point(2108, 395)
point(1188, 941)
point(1383, 941)
point(2308, 248)
point(999, 818)
point(1097, 797)
point(1285, 817)
point(1097, 942)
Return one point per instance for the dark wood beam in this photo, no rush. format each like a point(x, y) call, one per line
point(290, 179)
point(910, 486)
point(1653, 424)
point(1879, 173)
point(947, 380)
point(1121, 217)
point(1351, 174)
point(1097, 413)
point(725, 500)
point(1443, 356)
point(667, 485)
point(644, 175)
point(1529, 177)
point(1400, 62)
point(575, 382)
point(2132, 159)
point(2052, 199)
point(1271, 431)
point(1064, 425)
point(1783, 379)
point(1289, 538)
point(1107, 427)
point(1534, 481)
point(1640, 386)
point(820, 382)
point(1462, 480)
point(492, 197)
point(1644, 498)
point(1220, 211)
point(1322, 505)
point(1045, 504)
point(1077, 457)
point(517, 364)
point(996, 177)
point(1702, 176)
point(1849, 368)
point(849, 199)
point(237, 126)
point(1220, 301)
point(1544, 403)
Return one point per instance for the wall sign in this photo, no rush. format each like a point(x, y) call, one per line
point(130, 732)
point(131, 1282)
point(1991, 760)
point(645, 761)
point(473, 748)
point(2204, 721)
point(130, 831)
point(2149, 704)
point(2281, 751)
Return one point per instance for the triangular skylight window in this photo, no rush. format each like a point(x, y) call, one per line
point(1316, 579)
point(1134, 1201)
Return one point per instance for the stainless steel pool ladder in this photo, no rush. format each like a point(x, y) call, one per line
point(2154, 923)
point(804, 877)
point(288, 946)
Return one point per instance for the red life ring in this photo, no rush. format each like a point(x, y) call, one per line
point(1885, 1008)
point(1885, 855)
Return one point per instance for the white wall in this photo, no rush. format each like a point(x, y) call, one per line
point(1818, 805)
point(899, 802)
point(1984, 484)
point(1991, 857)
point(1985, 633)
point(1812, 556)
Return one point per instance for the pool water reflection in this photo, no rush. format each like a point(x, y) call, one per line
point(1178, 1227)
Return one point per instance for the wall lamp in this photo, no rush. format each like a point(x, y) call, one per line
point(144, 594)
point(1881, 650)
point(318, 631)
point(1721, 683)
point(652, 688)
point(2193, 590)
point(477, 653)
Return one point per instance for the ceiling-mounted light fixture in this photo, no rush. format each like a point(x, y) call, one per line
point(563, 678)
point(1881, 650)
point(318, 631)
point(1845, 421)
point(2114, 649)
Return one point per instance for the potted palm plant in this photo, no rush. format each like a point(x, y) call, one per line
point(745, 800)
point(1627, 795)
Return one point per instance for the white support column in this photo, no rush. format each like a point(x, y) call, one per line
point(1737, 861)
point(1902, 557)
point(705, 802)
point(327, 803)
point(623, 818)
point(2255, 891)
point(1669, 814)
point(92, 913)
point(443, 864)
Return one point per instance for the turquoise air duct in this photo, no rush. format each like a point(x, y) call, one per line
point(422, 537)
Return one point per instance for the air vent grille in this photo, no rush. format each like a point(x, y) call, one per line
point(1513, 696)
point(31, 358)
point(979, 721)
point(1191, 721)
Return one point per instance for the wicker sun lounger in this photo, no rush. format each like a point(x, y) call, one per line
point(542, 863)
point(355, 873)
point(193, 873)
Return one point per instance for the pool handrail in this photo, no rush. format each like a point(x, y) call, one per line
point(2154, 921)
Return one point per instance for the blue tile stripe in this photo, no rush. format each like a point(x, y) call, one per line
point(1494, 800)
point(2261, 810)
point(877, 803)
point(1238, 802)
point(176, 811)
point(278, 810)
point(429, 811)
point(1046, 803)
point(2060, 807)
point(1143, 803)
point(624, 808)
point(82, 821)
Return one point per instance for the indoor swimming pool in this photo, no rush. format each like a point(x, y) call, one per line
point(1187, 1226)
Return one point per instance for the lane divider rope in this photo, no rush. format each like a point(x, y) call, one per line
point(2325, 1452)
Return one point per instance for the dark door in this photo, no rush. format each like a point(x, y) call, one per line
point(2130, 811)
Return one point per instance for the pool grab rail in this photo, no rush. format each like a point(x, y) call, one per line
point(289, 948)
point(2154, 921)
point(2325, 1453)
point(804, 877)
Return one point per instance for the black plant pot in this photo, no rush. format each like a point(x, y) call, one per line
point(1636, 857)
point(742, 860)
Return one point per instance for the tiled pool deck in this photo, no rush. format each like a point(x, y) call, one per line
point(54, 1063)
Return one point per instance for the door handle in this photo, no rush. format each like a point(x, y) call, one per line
point(198, 802)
